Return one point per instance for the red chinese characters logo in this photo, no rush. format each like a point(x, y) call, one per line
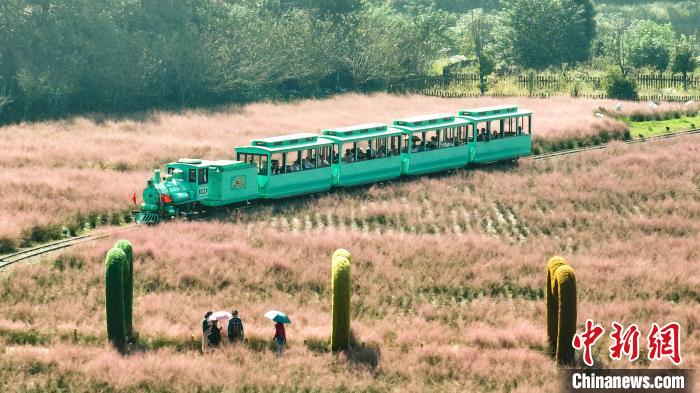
point(665, 342)
point(587, 339)
point(625, 341)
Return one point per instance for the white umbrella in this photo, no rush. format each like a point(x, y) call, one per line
point(220, 316)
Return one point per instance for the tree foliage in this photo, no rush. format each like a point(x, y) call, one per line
point(542, 33)
point(683, 57)
point(650, 44)
point(618, 86)
point(73, 56)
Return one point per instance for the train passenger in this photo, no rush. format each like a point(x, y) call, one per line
point(483, 136)
point(275, 167)
point(349, 156)
point(308, 164)
point(433, 143)
point(322, 161)
point(297, 166)
point(448, 142)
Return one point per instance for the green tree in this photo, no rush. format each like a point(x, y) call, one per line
point(477, 41)
point(613, 41)
point(650, 44)
point(618, 86)
point(542, 33)
point(683, 59)
point(583, 33)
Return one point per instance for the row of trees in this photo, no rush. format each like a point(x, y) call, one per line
point(69, 56)
point(60, 57)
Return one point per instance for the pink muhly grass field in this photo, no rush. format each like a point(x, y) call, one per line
point(54, 170)
point(448, 275)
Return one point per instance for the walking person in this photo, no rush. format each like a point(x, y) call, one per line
point(214, 336)
point(206, 325)
point(280, 337)
point(235, 328)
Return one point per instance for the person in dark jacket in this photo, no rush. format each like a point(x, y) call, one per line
point(280, 337)
point(235, 328)
point(214, 334)
point(205, 330)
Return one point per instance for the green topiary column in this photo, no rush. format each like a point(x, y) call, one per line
point(341, 287)
point(565, 292)
point(552, 304)
point(115, 262)
point(128, 284)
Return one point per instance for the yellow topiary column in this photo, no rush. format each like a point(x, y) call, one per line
point(128, 283)
point(115, 262)
point(552, 304)
point(560, 296)
point(341, 287)
point(565, 292)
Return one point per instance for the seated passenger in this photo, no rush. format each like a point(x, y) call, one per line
point(483, 136)
point(297, 166)
point(448, 142)
point(381, 154)
point(494, 134)
point(349, 156)
point(306, 164)
point(323, 161)
point(275, 167)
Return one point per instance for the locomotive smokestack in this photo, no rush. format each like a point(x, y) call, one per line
point(156, 176)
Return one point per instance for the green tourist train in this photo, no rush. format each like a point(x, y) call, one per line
point(306, 163)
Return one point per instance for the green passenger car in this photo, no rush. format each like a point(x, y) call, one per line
point(367, 153)
point(290, 165)
point(433, 143)
point(498, 133)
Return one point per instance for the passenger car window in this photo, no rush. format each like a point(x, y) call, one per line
point(193, 176)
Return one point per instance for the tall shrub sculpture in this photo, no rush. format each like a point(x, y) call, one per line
point(128, 284)
point(341, 287)
point(560, 296)
point(118, 293)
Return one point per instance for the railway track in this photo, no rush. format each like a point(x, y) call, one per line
point(32, 252)
point(605, 145)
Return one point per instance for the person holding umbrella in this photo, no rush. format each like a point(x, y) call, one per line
point(280, 336)
point(214, 335)
point(280, 319)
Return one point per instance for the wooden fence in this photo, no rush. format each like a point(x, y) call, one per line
point(545, 86)
point(654, 97)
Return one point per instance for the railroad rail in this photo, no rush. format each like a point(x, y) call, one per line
point(605, 145)
point(9, 259)
point(31, 252)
